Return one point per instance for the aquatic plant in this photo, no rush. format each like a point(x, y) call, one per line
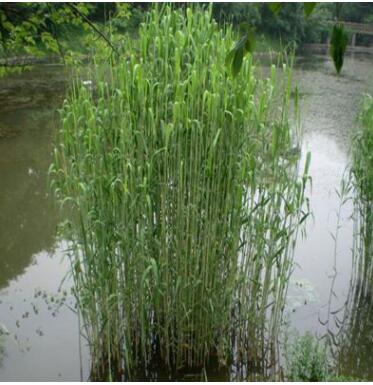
point(354, 335)
point(184, 201)
point(307, 360)
point(362, 166)
point(4, 333)
point(362, 180)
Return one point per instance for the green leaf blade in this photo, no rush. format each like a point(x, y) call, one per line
point(237, 61)
point(308, 8)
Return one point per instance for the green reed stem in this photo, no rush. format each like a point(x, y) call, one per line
point(185, 200)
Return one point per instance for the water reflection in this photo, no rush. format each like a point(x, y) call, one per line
point(27, 217)
point(27, 120)
point(353, 345)
point(329, 111)
point(330, 107)
point(28, 221)
point(42, 87)
point(353, 348)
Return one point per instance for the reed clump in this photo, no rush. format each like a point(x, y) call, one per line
point(185, 201)
point(355, 328)
point(362, 180)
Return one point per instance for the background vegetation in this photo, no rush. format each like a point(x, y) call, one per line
point(40, 28)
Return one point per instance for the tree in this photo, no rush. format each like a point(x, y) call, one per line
point(246, 43)
point(38, 29)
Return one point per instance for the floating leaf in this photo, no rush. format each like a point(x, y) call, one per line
point(308, 8)
point(338, 44)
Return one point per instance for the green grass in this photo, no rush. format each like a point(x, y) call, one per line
point(185, 203)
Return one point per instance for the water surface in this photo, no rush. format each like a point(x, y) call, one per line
point(43, 343)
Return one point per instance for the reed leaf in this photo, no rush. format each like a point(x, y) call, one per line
point(184, 208)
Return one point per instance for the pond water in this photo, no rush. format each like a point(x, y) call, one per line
point(38, 312)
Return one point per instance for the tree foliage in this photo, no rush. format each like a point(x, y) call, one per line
point(37, 28)
point(283, 22)
point(75, 30)
point(338, 44)
point(70, 30)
